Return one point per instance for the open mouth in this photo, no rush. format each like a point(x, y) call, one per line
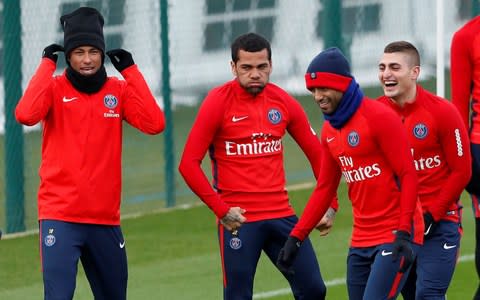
point(390, 83)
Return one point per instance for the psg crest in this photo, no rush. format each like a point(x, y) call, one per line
point(110, 101)
point(274, 116)
point(420, 131)
point(353, 139)
point(49, 240)
point(235, 243)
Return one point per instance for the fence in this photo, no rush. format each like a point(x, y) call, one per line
point(182, 57)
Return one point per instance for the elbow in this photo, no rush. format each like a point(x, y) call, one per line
point(24, 119)
point(159, 125)
point(182, 168)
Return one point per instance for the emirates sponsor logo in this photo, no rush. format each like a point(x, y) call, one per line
point(260, 144)
point(351, 173)
point(425, 163)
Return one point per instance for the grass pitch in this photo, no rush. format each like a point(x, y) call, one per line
point(174, 255)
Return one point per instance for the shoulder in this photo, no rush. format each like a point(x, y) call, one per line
point(435, 104)
point(372, 107)
point(275, 92)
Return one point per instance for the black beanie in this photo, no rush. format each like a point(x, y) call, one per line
point(329, 69)
point(82, 27)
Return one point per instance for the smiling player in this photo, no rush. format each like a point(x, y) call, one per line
point(441, 152)
point(365, 141)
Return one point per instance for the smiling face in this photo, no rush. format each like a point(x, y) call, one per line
point(398, 76)
point(327, 99)
point(86, 60)
point(252, 70)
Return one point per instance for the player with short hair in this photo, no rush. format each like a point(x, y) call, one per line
point(441, 153)
point(465, 84)
point(82, 112)
point(364, 141)
point(242, 124)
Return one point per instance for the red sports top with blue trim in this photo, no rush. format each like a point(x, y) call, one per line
point(80, 172)
point(465, 75)
point(372, 152)
point(243, 134)
point(440, 149)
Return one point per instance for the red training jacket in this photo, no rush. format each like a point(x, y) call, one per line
point(80, 172)
point(440, 149)
point(465, 75)
point(372, 152)
point(243, 134)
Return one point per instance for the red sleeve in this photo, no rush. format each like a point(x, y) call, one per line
point(37, 99)
point(327, 183)
point(140, 108)
point(456, 146)
point(393, 142)
point(201, 135)
point(302, 132)
point(461, 73)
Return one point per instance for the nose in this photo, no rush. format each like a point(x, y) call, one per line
point(385, 73)
point(87, 58)
point(317, 95)
point(255, 73)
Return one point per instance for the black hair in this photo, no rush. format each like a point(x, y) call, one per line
point(250, 42)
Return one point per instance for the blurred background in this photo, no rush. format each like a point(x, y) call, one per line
point(183, 49)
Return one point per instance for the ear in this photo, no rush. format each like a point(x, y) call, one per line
point(415, 72)
point(234, 71)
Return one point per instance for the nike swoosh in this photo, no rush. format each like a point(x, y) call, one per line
point(69, 99)
point(122, 245)
point(428, 229)
point(330, 139)
point(385, 253)
point(446, 247)
point(235, 119)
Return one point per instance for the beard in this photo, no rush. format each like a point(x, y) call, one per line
point(253, 90)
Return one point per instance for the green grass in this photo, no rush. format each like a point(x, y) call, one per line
point(174, 255)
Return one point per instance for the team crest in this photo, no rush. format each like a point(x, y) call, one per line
point(110, 101)
point(420, 131)
point(274, 116)
point(313, 75)
point(235, 243)
point(49, 240)
point(353, 139)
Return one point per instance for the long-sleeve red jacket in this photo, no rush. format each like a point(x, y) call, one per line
point(244, 137)
point(80, 171)
point(372, 153)
point(440, 149)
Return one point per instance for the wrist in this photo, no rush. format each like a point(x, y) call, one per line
point(402, 234)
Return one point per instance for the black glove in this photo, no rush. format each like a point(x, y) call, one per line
point(51, 50)
point(429, 224)
point(287, 255)
point(402, 248)
point(121, 59)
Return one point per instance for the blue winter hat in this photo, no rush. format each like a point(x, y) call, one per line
point(329, 69)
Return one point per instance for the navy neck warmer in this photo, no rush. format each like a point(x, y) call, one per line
point(348, 106)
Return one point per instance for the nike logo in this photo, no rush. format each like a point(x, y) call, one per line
point(428, 229)
point(65, 99)
point(330, 139)
point(235, 119)
point(122, 245)
point(385, 253)
point(446, 247)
